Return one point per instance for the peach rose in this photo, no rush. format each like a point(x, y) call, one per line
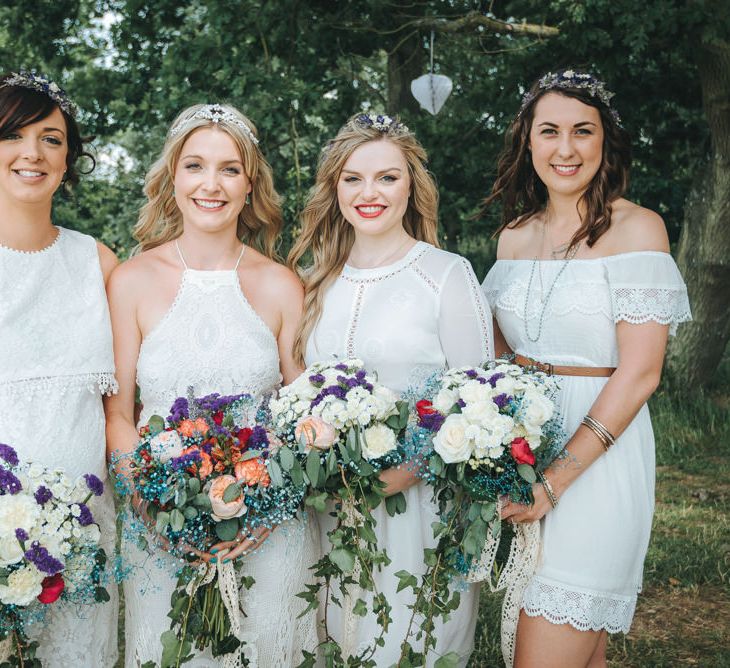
point(315, 432)
point(201, 426)
point(252, 472)
point(187, 428)
point(221, 509)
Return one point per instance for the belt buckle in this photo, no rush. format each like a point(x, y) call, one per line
point(546, 367)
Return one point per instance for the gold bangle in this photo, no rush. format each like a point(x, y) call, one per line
point(604, 436)
point(548, 490)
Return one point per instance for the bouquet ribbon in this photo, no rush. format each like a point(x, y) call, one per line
point(521, 565)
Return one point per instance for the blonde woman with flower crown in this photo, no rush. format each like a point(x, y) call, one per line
point(204, 304)
point(380, 289)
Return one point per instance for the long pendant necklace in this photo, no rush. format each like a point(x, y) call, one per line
point(568, 257)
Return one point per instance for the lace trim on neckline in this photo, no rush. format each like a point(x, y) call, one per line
point(102, 381)
point(586, 259)
point(40, 251)
point(407, 261)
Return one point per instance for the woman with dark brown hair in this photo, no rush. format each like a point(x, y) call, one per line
point(583, 288)
point(55, 337)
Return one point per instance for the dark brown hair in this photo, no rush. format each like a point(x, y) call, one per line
point(20, 106)
point(523, 194)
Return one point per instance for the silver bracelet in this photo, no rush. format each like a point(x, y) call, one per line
point(548, 490)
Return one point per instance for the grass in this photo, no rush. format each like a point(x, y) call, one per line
point(683, 614)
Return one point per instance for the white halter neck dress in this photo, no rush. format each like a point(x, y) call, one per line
point(421, 314)
point(212, 340)
point(56, 360)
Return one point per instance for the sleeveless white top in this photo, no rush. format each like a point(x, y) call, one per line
point(56, 360)
point(212, 340)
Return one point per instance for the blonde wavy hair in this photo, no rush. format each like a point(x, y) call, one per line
point(160, 220)
point(327, 237)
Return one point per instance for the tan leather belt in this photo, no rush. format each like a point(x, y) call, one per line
point(559, 370)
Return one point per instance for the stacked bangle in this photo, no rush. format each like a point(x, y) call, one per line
point(548, 490)
point(604, 436)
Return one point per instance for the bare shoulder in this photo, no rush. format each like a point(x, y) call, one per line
point(137, 273)
point(637, 228)
point(272, 277)
point(514, 242)
point(107, 260)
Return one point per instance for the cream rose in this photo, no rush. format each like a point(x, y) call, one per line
point(23, 586)
point(315, 433)
point(451, 441)
point(166, 445)
point(377, 441)
point(445, 401)
point(221, 509)
point(10, 552)
point(17, 511)
point(538, 408)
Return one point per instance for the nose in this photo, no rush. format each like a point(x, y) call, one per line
point(210, 180)
point(369, 189)
point(31, 150)
point(565, 146)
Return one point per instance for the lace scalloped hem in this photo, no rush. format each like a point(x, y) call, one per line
point(101, 381)
point(584, 610)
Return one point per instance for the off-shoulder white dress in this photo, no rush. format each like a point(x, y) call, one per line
point(595, 541)
point(405, 321)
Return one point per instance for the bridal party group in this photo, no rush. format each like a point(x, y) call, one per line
point(583, 289)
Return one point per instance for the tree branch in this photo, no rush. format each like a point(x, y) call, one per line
point(475, 19)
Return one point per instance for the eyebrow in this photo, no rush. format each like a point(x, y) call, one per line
point(52, 129)
point(200, 157)
point(576, 125)
point(382, 171)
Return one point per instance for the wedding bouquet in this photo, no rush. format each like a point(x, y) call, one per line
point(339, 429)
point(204, 478)
point(49, 548)
point(493, 429)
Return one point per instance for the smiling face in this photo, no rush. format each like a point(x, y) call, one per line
point(33, 160)
point(210, 182)
point(566, 140)
point(373, 188)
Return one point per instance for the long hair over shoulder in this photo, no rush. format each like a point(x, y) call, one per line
point(523, 194)
point(327, 238)
point(160, 220)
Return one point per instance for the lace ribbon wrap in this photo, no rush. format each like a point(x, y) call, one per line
point(349, 641)
point(521, 565)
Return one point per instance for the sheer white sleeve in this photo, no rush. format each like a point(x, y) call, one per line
point(465, 321)
point(647, 286)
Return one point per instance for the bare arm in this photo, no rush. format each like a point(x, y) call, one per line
point(107, 260)
point(292, 301)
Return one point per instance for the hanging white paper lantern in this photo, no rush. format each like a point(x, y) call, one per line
point(431, 91)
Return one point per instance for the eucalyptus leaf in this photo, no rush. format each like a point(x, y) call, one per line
point(526, 472)
point(286, 458)
point(232, 492)
point(313, 465)
point(250, 454)
point(177, 520)
point(163, 520)
point(193, 486)
point(277, 479)
point(156, 424)
point(227, 529)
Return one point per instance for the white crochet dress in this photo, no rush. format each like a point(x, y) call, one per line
point(56, 360)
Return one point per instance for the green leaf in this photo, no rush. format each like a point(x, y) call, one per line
point(101, 595)
point(181, 497)
point(190, 512)
point(172, 648)
point(346, 459)
point(343, 559)
point(232, 492)
point(156, 424)
point(194, 486)
point(331, 463)
point(475, 510)
point(227, 529)
point(202, 501)
point(527, 472)
point(393, 422)
point(163, 519)
point(450, 660)
point(317, 501)
point(286, 458)
point(296, 473)
point(250, 454)
point(390, 505)
point(277, 479)
point(177, 520)
point(360, 609)
point(313, 465)
point(405, 580)
point(488, 510)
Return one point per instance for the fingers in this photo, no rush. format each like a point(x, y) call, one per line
point(248, 544)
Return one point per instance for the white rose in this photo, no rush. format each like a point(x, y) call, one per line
point(23, 586)
point(17, 511)
point(166, 445)
point(445, 401)
point(451, 441)
point(474, 392)
point(538, 408)
point(377, 441)
point(10, 552)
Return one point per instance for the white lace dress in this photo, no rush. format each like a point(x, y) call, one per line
point(213, 340)
point(56, 360)
point(406, 320)
point(595, 541)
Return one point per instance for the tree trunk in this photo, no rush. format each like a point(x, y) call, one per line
point(405, 63)
point(704, 245)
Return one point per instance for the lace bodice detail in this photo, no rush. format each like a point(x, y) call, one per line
point(422, 313)
point(588, 299)
point(212, 340)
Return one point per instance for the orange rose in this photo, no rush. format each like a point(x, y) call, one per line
point(206, 466)
point(221, 509)
point(252, 472)
point(315, 432)
point(201, 426)
point(187, 428)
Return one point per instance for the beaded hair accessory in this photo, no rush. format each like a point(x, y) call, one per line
point(42, 84)
point(576, 80)
point(214, 113)
point(382, 123)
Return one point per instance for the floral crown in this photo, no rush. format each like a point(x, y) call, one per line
point(382, 123)
point(214, 113)
point(42, 84)
point(576, 80)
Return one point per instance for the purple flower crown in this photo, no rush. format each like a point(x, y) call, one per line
point(382, 123)
point(42, 84)
point(576, 80)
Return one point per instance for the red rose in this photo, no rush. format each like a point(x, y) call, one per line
point(243, 435)
point(52, 587)
point(425, 407)
point(522, 452)
point(218, 418)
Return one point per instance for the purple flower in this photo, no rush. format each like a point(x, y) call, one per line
point(501, 400)
point(215, 402)
point(341, 366)
point(182, 462)
point(8, 454)
point(21, 534)
point(94, 484)
point(494, 378)
point(431, 421)
point(42, 495)
point(259, 439)
point(179, 411)
point(85, 517)
point(9, 482)
point(43, 560)
point(471, 373)
point(317, 378)
point(461, 403)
